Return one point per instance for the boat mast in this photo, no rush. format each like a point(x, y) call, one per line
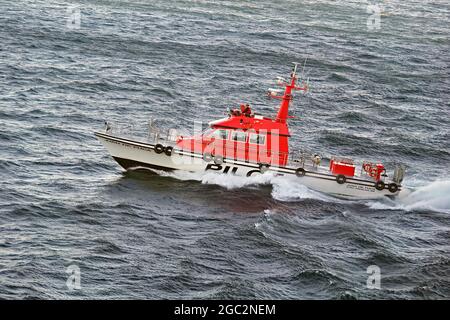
point(283, 111)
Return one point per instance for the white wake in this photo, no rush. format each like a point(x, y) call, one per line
point(433, 196)
point(284, 188)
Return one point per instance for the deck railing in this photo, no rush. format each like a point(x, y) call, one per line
point(152, 134)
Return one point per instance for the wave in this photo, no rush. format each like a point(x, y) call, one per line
point(433, 196)
point(226, 181)
point(286, 189)
point(289, 189)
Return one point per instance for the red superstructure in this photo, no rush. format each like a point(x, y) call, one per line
point(246, 136)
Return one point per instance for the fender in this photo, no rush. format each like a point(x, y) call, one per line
point(252, 172)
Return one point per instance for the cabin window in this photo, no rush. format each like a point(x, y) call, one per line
point(257, 138)
point(239, 136)
point(208, 132)
point(220, 134)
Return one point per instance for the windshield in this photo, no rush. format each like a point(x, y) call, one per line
point(216, 133)
point(207, 132)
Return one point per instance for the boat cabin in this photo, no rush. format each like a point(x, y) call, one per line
point(246, 136)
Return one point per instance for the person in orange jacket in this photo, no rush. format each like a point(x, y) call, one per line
point(246, 110)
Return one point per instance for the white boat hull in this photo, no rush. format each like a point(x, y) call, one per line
point(133, 154)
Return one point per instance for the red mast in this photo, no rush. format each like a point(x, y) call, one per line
point(283, 111)
point(273, 134)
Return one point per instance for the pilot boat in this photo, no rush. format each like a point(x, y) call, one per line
point(247, 144)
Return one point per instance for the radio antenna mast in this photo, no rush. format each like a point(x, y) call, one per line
point(303, 70)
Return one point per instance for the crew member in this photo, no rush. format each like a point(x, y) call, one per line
point(235, 112)
point(316, 160)
point(246, 110)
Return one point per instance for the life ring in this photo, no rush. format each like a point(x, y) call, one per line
point(168, 151)
point(218, 159)
point(300, 172)
point(159, 148)
point(207, 157)
point(373, 172)
point(393, 187)
point(340, 178)
point(379, 185)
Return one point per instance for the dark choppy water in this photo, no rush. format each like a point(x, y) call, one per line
point(375, 94)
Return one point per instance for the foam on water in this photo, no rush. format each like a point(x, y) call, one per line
point(290, 189)
point(284, 188)
point(224, 180)
point(433, 196)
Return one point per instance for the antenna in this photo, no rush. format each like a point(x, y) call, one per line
point(307, 85)
point(294, 71)
point(304, 65)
